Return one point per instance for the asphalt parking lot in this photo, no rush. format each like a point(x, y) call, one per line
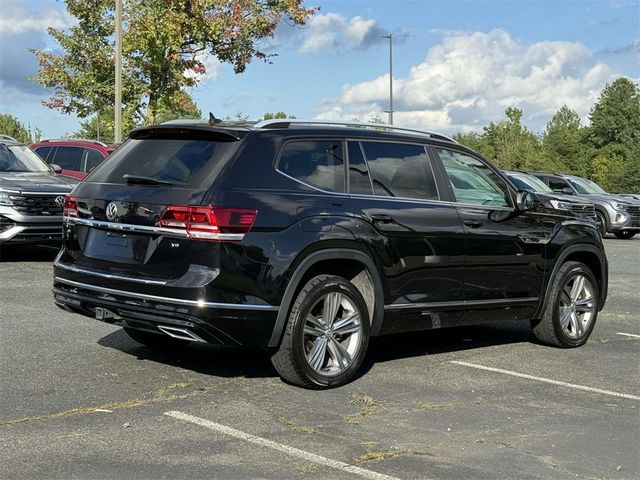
point(79, 399)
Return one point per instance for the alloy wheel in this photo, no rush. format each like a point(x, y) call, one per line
point(577, 306)
point(332, 334)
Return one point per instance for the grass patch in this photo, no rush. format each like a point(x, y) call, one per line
point(384, 455)
point(368, 406)
point(435, 406)
point(297, 427)
point(307, 470)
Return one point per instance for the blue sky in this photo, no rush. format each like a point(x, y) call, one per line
point(457, 64)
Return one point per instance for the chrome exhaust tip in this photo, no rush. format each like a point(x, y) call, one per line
point(181, 333)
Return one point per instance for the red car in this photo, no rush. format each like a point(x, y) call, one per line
point(76, 158)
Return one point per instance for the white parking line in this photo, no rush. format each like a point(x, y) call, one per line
point(631, 335)
point(295, 452)
point(548, 380)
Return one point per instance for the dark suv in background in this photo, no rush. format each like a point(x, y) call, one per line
point(31, 196)
point(615, 213)
point(310, 238)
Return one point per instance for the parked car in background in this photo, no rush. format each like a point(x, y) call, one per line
point(308, 238)
point(615, 213)
point(550, 199)
point(31, 196)
point(76, 158)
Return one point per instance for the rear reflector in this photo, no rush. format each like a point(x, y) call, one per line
point(70, 208)
point(209, 223)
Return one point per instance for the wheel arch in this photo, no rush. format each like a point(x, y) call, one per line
point(591, 256)
point(352, 264)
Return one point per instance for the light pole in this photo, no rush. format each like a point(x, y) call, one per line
point(390, 37)
point(118, 55)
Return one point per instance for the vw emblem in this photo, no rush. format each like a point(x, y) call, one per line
point(112, 211)
point(59, 200)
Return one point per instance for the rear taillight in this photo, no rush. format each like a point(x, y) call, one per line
point(209, 223)
point(70, 208)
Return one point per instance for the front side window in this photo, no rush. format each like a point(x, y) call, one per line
point(94, 158)
point(557, 184)
point(472, 181)
point(319, 163)
point(400, 170)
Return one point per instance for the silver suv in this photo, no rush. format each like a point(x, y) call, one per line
point(31, 196)
point(616, 214)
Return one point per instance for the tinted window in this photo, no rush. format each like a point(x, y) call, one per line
point(94, 158)
point(359, 181)
point(400, 170)
point(44, 152)
point(69, 158)
point(180, 160)
point(472, 181)
point(557, 184)
point(319, 163)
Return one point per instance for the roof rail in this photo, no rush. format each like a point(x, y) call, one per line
point(7, 137)
point(286, 123)
point(73, 139)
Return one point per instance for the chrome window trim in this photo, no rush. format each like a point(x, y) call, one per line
point(156, 298)
point(169, 232)
point(461, 303)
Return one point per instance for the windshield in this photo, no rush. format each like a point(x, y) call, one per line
point(529, 182)
point(582, 185)
point(20, 158)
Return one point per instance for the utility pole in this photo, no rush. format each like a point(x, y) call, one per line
point(390, 37)
point(118, 55)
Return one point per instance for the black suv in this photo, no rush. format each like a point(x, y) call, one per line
point(310, 238)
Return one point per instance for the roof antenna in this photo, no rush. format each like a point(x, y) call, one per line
point(213, 120)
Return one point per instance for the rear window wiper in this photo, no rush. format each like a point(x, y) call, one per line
point(142, 180)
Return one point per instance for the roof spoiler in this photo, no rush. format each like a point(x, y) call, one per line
point(201, 132)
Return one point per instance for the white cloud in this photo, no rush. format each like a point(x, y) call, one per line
point(468, 79)
point(333, 31)
point(17, 19)
point(212, 68)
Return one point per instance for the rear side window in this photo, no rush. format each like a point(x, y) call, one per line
point(94, 158)
point(359, 180)
point(69, 158)
point(183, 161)
point(319, 163)
point(400, 170)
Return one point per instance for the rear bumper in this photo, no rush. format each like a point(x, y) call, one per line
point(216, 323)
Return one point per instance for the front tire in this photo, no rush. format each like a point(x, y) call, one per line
point(571, 308)
point(327, 334)
point(624, 234)
point(602, 223)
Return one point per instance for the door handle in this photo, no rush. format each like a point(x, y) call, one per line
point(472, 223)
point(382, 218)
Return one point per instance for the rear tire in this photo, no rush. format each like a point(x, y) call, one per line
point(326, 336)
point(624, 234)
point(571, 308)
point(155, 341)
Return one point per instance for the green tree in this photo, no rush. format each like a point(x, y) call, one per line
point(563, 144)
point(510, 144)
point(276, 115)
point(164, 45)
point(614, 134)
point(474, 141)
point(10, 125)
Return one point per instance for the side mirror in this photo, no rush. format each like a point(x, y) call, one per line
point(56, 168)
point(567, 191)
point(525, 200)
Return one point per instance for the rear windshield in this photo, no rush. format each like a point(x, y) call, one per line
point(185, 162)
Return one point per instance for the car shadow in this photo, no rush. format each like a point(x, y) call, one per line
point(28, 253)
point(229, 361)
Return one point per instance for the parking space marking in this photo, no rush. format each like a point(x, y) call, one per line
point(292, 451)
point(631, 335)
point(547, 380)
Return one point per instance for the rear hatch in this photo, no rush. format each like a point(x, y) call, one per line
point(135, 217)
